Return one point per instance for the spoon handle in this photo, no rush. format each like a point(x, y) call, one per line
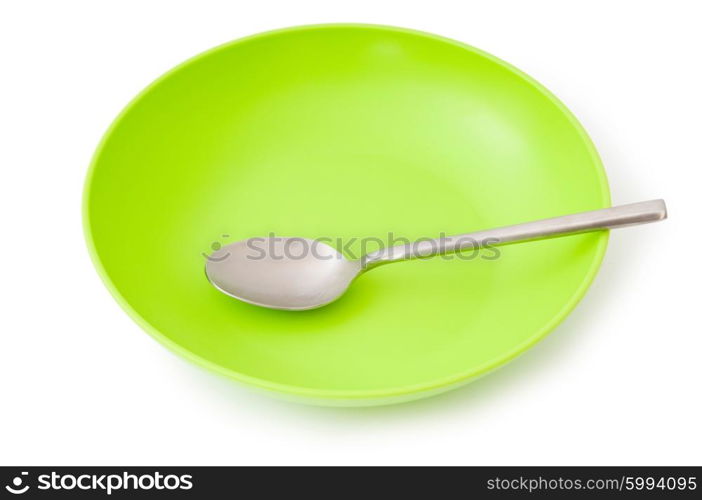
point(606, 218)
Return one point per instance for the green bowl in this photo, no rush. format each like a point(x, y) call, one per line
point(345, 131)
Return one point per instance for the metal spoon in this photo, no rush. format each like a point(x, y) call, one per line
point(298, 273)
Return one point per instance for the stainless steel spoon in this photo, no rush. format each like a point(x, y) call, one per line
point(298, 273)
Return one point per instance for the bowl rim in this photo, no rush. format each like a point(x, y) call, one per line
point(385, 395)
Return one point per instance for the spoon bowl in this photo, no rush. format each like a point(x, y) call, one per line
point(281, 273)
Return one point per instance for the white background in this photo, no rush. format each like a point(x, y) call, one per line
point(617, 383)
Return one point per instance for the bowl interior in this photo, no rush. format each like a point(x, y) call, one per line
point(345, 132)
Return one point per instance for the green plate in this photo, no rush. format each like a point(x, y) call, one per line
point(345, 131)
